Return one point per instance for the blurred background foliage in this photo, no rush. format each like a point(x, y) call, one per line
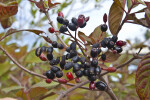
point(16, 83)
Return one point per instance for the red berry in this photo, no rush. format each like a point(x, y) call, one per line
point(87, 19)
point(105, 18)
point(60, 14)
point(120, 43)
point(60, 80)
point(48, 80)
point(81, 20)
point(51, 30)
point(77, 80)
point(42, 57)
point(92, 85)
point(111, 69)
point(69, 75)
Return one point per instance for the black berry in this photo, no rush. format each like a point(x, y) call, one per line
point(65, 22)
point(73, 46)
point(91, 71)
point(54, 44)
point(103, 57)
point(68, 49)
point(79, 73)
point(60, 46)
point(49, 56)
point(97, 70)
point(74, 21)
point(38, 52)
point(94, 52)
point(82, 60)
point(75, 59)
point(114, 38)
point(101, 85)
point(72, 26)
point(50, 74)
point(103, 27)
point(92, 78)
point(49, 50)
point(55, 69)
point(63, 29)
point(59, 74)
point(96, 45)
point(60, 19)
point(94, 63)
point(76, 67)
point(68, 66)
point(118, 49)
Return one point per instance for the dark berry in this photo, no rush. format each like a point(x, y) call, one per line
point(107, 40)
point(60, 19)
point(55, 69)
point(51, 30)
point(85, 72)
point(120, 43)
point(54, 61)
point(75, 59)
point(60, 46)
point(73, 46)
point(103, 27)
point(101, 85)
point(62, 64)
point(63, 29)
point(49, 50)
point(49, 56)
point(38, 52)
point(92, 77)
point(99, 51)
point(68, 56)
point(68, 66)
point(111, 44)
point(94, 63)
point(97, 70)
point(103, 57)
point(118, 49)
point(57, 60)
point(68, 49)
point(59, 74)
point(60, 80)
point(94, 52)
point(103, 44)
point(43, 48)
point(82, 26)
point(91, 71)
point(73, 53)
point(65, 22)
point(92, 85)
point(48, 80)
point(54, 44)
point(96, 45)
point(79, 73)
point(74, 21)
point(69, 75)
point(50, 74)
point(114, 38)
point(76, 67)
point(72, 26)
point(82, 60)
point(60, 14)
point(87, 65)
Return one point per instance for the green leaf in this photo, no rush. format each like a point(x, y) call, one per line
point(44, 84)
point(142, 79)
point(37, 91)
point(129, 3)
point(97, 35)
point(4, 68)
point(115, 17)
point(9, 89)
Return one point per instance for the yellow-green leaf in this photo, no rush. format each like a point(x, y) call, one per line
point(9, 89)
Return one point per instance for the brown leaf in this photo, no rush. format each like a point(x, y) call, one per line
point(50, 4)
point(83, 37)
point(97, 35)
point(6, 23)
point(147, 16)
point(115, 16)
point(142, 80)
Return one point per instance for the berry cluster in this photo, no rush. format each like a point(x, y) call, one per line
point(73, 25)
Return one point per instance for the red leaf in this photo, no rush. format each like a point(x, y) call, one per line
point(50, 4)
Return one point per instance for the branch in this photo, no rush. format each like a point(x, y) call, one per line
point(71, 89)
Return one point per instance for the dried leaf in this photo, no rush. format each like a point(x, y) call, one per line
point(83, 37)
point(50, 4)
point(142, 80)
point(115, 16)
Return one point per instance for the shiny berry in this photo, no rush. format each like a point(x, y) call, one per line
point(94, 52)
point(68, 49)
point(114, 38)
point(72, 26)
point(118, 49)
point(68, 56)
point(60, 14)
point(48, 80)
point(55, 69)
point(60, 19)
point(76, 67)
point(103, 57)
point(103, 44)
point(65, 22)
point(51, 30)
point(111, 44)
point(87, 65)
point(79, 73)
point(60, 80)
point(97, 70)
point(54, 44)
point(101, 85)
point(74, 21)
point(63, 29)
point(42, 57)
point(94, 63)
point(73, 53)
point(43, 48)
point(60, 46)
point(91, 71)
point(96, 45)
point(69, 75)
point(120, 43)
point(38, 52)
point(82, 26)
point(92, 77)
point(49, 56)
point(82, 60)
point(49, 50)
point(103, 27)
point(92, 85)
point(59, 74)
point(68, 66)
point(73, 46)
point(85, 72)
point(75, 59)
point(99, 51)
point(50, 74)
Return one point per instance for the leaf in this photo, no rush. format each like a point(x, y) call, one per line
point(8, 10)
point(129, 3)
point(6, 22)
point(147, 4)
point(4, 68)
point(115, 17)
point(147, 16)
point(111, 57)
point(97, 35)
point(9, 89)
point(118, 3)
point(142, 80)
point(22, 94)
point(37, 91)
point(44, 84)
point(83, 37)
point(50, 4)
point(2, 58)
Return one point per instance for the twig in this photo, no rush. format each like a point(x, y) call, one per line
point(71, 89)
